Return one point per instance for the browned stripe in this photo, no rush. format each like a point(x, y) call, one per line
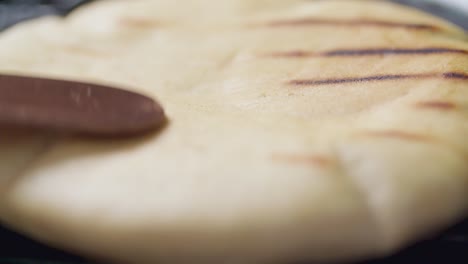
point(303, 159)
point(397, 134)
point(437, 105)
point(351, 23)
point(456, 75)
point(369, 52)
point(377, 78)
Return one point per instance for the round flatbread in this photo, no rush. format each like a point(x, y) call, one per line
point(297, 130)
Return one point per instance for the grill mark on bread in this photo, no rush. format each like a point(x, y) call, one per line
point(396, 134)
point(379, 78)
point(456, 75)
point(303, 159)
point(389, 77)
point(352, 23)
point(368, 52)
point(436, 105)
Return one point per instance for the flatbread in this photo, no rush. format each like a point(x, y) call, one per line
point(298, 130)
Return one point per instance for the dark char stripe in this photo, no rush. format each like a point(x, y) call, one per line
point(389, 77)
point(369, 52)
point(352, 23)
point(456, 75)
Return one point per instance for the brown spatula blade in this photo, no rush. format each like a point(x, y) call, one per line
point(75, 107)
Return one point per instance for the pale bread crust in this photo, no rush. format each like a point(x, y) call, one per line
point(251, 168)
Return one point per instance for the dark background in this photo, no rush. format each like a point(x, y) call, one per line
point(451, 247)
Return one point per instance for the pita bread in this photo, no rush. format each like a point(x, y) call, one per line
point(298, 130)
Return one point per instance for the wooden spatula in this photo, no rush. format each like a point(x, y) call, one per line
point(75, 107)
